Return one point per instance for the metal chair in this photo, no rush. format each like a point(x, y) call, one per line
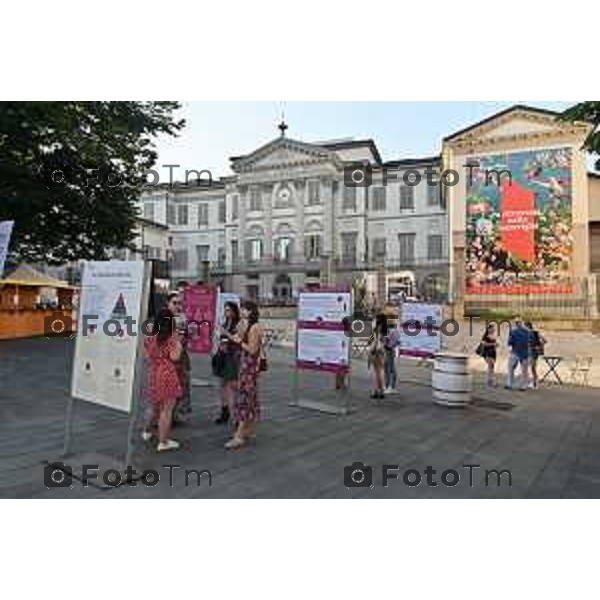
point(580, 371)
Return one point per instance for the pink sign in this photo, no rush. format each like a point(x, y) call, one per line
point(200, 306)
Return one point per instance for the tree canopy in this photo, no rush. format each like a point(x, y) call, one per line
point(590, 112)
point(70, 173)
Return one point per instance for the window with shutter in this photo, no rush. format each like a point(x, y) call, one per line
point(378, 201)
point(314, 192)
point(203, 214)
point(349, 198)
point(182, 214)
point(433, 195)
point(255, 200)
point(379, 248)
point(149, 211)
point(434, 247)
point(407, 197)
point(171, 214)
point(406, 242)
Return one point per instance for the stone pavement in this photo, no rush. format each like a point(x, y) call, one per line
point(547, 438)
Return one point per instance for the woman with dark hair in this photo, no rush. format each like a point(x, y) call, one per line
point(163, 350)
point(246, 405)
point(229, 359)
point(537, 343)
point(183, 407)
point(376, 356)
point(487, 350)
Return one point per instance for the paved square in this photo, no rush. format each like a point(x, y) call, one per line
point(549, 440)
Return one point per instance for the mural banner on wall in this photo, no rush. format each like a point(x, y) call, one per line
point(519, 236)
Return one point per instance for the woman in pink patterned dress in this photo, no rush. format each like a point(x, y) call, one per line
point(246, 405)
point(163, 350)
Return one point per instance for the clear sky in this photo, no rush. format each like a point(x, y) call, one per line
point(217, 130)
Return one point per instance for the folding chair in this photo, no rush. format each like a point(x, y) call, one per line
point(580, 371)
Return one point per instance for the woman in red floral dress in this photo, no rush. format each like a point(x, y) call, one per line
point(163, 350)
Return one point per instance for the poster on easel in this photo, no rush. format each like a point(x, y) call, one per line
point(222, 299)
point(420, 334)
point(200, 310)
point(322, 343)
point(106, 347)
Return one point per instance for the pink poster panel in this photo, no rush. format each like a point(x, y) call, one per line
point(200, 306)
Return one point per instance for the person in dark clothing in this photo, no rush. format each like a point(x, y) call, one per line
point(376, 356)
point(538, 342)
point(519, 342)
point(230, 360)
point(488, 344)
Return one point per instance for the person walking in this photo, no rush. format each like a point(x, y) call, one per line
point(538, 342)
point(488, 351)
point(376, 355)
point(163, 350)
point(246, 404)
point(228, 362)
point(519, 342)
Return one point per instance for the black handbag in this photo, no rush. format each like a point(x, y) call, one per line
point(218, 363)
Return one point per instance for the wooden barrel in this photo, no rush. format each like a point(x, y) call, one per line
point(450, 379)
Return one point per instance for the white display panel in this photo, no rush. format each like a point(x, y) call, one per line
point(330, 307)
point(104, 365)
point(422, 344)
point(323, 347)
point(419, 311)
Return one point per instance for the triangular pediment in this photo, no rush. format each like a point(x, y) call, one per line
point(517, 123)
point(283, 153)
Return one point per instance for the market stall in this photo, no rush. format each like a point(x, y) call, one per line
point(28, 298)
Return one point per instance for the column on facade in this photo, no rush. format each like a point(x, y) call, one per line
point(301, 191)
point(268, 198)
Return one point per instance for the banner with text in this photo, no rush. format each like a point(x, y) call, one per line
point(420, 329)
point(322, 343)
point(105, 352)
point(519, 223)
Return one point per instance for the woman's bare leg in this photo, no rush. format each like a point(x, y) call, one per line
point(491, 375)
point(164, 422)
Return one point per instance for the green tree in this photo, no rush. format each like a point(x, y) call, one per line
point(590, 112)
point(98, 152)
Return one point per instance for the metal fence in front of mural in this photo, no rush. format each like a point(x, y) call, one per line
point(576, 298)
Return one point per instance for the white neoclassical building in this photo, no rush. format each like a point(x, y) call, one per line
point(288, 218)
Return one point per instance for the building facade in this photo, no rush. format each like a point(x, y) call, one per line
point(291, 217)
point(526, 241)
